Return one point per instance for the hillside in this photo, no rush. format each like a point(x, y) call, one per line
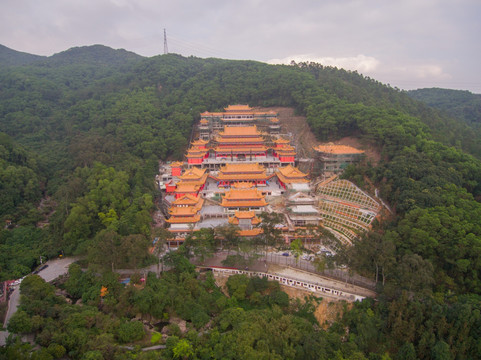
point(98, 133)
point(462, 105)
point(10, 57)
point(95, 55)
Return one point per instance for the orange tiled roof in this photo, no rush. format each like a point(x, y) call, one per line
point(235, 219)
point(284, 147)
point(183, 211)
point(196, 153)
point(204, 121)
point(199, 142)
point(242, 168)
point(186, 188)
point(188, 199)
point(243, 198)
point(245, 214)
point(193, 173)
point(237, 194)
point(240, 204)
point(282, 141)
point(238, 107)
point(177, 164)
point(240, 131)
point(243, 150)
point(291, 174)
point(337, 149)
point(193, 156)
point(242, 177)
point(286, 152)
point(196, 149)
point(275, 120)
point(183, 220)
point(252, 232)
point(248, 140)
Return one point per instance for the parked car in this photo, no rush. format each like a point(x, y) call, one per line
point(42, 268)
point(285, 254)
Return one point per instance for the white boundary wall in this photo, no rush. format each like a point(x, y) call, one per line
point(316, 288)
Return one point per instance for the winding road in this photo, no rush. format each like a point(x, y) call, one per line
point(55, 268)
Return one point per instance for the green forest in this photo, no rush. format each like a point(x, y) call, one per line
point(81, 136)
point(460, 104)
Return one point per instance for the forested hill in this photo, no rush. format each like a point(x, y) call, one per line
point(9, 57)
point(93, 55)
point(460, 104)
point(97, 133)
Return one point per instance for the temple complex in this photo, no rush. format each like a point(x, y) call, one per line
point(241, 164)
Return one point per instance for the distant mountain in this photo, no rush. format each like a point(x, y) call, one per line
point(10, 57)
point(460, 104)
point(93, 55)
point(98, 55)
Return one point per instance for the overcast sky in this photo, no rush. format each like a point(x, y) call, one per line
point(406, 43)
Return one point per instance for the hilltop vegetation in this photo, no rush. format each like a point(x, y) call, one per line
point(90, 132)
point(10, 57)
point(460, 104)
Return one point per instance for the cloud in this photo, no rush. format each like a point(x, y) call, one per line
point(415, 72)
point(361, 63)
point(408, 75)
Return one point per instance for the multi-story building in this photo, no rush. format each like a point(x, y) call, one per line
point(335, 158)
point(250, 199)
point(290, 176)
point(240, 144)
point(236, 115)
point(232, 173)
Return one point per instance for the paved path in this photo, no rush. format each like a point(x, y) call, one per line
point(290, 261)
point(55, 268)
point(284, 267)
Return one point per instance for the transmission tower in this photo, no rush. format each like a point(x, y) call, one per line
point(166, 49)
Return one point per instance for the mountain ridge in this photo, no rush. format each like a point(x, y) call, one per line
point(91, 54)
point(461, 104)
point(11, 57)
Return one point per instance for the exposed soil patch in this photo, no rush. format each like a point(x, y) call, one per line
point(327, 312)
point(221, 282)
point(47, 208)
point(301, 136)
point(297, 127)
